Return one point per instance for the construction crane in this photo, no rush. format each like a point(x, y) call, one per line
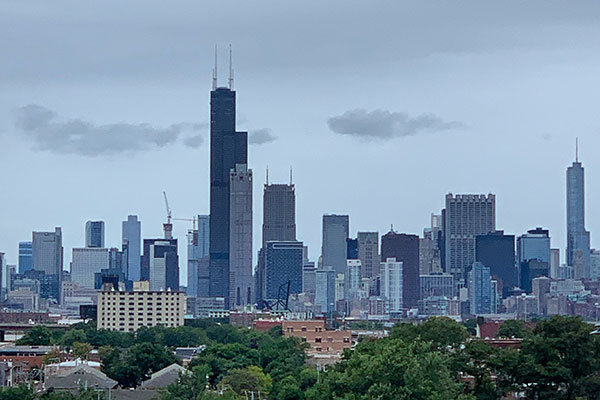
point(192, 220)
point(168, 227)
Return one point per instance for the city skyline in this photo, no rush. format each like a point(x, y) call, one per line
point(542, 156)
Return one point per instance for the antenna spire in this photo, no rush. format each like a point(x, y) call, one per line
point(576, 149)
point(214, 83)
point(267, 175)
point(291, 175)
point(230, 68)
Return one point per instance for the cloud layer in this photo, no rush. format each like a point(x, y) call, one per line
point(50, 133)
point(261, 136)
point(384, 125)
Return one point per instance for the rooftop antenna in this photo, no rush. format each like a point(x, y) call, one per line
point(290, 175)
point(391, 227)
point(576, 149)
point(267, 175)
point(215, 70)
point(230, 69)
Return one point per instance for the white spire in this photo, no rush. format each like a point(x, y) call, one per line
point(214, 83)
point(230, 69)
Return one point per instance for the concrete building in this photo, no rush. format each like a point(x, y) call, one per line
point(132, 241)
point(578, 238)
point(404, 248)
point(309, 278)
point(353, 277)
point(25, 257)
point(86, 262)
point(160, 264)
point(129, 311)
point(241, 284)
point(94, 234)
point(465, 217)
point(392, 284)
point(279, 213)
point(554, 263)
point(368, 253)
point(320, 340)
point(47, 253)
point(594, 264)
point(334, 248)
point(439, 285)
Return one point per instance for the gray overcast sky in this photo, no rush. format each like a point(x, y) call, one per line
point(381, 107)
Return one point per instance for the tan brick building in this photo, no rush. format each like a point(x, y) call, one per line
point(128, 311)
point(321, 340)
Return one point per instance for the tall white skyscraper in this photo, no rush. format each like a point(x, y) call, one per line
point(392, 284)
point(132, 244)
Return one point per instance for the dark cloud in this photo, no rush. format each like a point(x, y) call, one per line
point(49, 132)
point(261, 136)
point(383, 124)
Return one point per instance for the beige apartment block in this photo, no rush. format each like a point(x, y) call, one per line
point(320, 340)
point(128, 311)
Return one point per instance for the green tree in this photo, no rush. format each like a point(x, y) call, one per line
point(72, 336)
point(189, 386)
point(249, 379)
point(442, 332)
point(81, 350)
point(37, 336)
point(17, 393)
point(513, 328)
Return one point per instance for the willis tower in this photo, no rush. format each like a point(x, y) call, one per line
point(228, 148)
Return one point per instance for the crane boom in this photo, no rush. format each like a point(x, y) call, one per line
point(168, 209)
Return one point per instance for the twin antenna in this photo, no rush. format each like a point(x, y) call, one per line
point(214, 80)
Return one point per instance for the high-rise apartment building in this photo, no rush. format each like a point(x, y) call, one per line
point(87, 262)
point(465, 217)
point(578, 238)
point(481, 291)
point(241, 285)
point(228, 147)
point(404, 248)
point(25, 257)
point(335, 249)
point(48, 258)
point(198, 258)
point(437, 285)
point(325, 289)
point(392, 284)
point(160, 264)
point(497, 251)
point(132, 242)
point(279, 213)
point(368, 253)
point(94, 234)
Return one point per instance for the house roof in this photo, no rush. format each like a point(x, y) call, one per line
point(164, 377)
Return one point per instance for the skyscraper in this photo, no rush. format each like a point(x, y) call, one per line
point(335, 249)
point(325, 289)
point(198, 258)
point(497, 251)
point(392, 284)
point(241, 285)
point(578, 239)
point(481, 293)
point(279, 213)
point(228, 147)
point(94, 234)
point(87, 262)
point(533, 256)
point(404, 248)
point(132, 238)
point(48, 258)
point(465, 217)
point(25, 257)
point(368, 253)
point(284, 263)
point(160, 264)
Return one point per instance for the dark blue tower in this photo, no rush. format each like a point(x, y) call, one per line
point(227, 148)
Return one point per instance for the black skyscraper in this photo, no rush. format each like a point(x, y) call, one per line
point(404, 248)
point(227, 148)
point(497, 251)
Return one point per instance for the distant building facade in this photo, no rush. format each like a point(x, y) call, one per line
point(25, 256)
point(132, 243)
point(334, 248)
point(404, 248)
point(160, 264)
point(87, 262)
point(94, 234)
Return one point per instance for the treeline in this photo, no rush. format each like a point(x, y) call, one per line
point(439, 359)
